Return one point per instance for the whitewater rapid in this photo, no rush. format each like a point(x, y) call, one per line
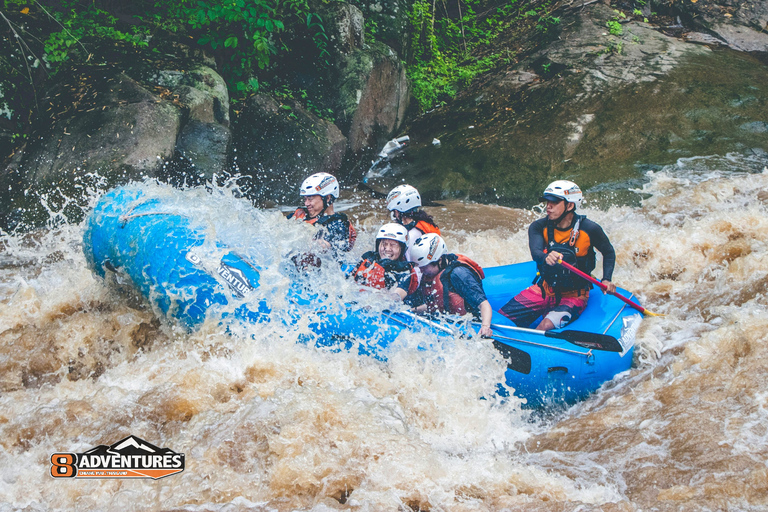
point(267, 423)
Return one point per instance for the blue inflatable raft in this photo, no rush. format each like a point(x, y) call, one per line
point(160, 249)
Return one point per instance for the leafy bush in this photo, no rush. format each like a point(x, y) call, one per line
point(443, 40)
point(244, 35)
point(614, 27)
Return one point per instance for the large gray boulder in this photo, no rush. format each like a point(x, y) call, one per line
point(121, 131)
point(107, 127)
point(372, 96)
point(280, 144)
point(204, 142)
point(103, 129)
point(345, 27)
point(742, 26)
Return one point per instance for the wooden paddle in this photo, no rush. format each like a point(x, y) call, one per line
point(604, 287)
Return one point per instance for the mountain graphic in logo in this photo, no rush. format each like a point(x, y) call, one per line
point(235, 279)
point(131, 457)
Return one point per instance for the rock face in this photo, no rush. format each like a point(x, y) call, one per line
point(281, 144)
point(369, 90)
point(113, 129)
point(126, 133)
point(205, 139)
point(742, 25)
point(108, 128)
point(373, 96)
point(743, 39)
point(345, 27)
point(590, 102)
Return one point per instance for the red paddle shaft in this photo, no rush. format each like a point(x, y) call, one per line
point(604, 287)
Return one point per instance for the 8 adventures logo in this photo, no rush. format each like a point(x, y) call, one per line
point(130, 458)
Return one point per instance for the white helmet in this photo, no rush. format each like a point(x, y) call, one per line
point(320, 184)
point(403, 198)
point(427, 249)
point(393, 231)
point(563, 189)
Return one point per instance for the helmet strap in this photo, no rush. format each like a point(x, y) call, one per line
point(565, 212)
point(327, 201)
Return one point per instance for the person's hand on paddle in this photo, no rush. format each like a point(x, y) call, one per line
point(553, 258)
point(485, 331)
point(609, 287)
point(486, 313)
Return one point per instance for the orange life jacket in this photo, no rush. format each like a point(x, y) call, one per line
point(378, 273)
point(302, 214)
point(574, 245)
point(425, 227)
point(438, 292)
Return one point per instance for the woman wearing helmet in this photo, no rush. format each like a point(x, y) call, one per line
point(404, 205)
point(450, 283)
point(319, 192)
point(557, 293)
point(386, 266)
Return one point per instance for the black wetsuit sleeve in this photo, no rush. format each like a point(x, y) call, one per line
point(336, 233)
point(536, 241)
point(416, 299)
point(600, 241)
point(402, 280)
point(466, 284)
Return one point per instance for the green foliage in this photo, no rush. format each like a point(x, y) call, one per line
point(615, 47)
point(78, 23)
point(371, 28)
point(436, 82)
point(315, 24)
point(284, 92)
point(614, 27)
point(16, 5)
point(442, 41)
point(244, 35)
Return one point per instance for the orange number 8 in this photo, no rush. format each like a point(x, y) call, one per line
point(63, 465)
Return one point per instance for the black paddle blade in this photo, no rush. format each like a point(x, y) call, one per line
point(588, 340)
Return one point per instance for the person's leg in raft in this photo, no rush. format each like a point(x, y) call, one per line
point(564, 313)
point(526, 306)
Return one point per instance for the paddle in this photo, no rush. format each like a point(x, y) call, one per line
point(584, 339)
point(604, 287)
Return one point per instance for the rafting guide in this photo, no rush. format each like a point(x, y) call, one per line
point(558, 293)
point(131, 457)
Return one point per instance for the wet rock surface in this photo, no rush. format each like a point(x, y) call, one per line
point(589, 104)
point(280, 144)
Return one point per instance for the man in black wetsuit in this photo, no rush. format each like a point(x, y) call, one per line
point(558, 294)
point(319, 192)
